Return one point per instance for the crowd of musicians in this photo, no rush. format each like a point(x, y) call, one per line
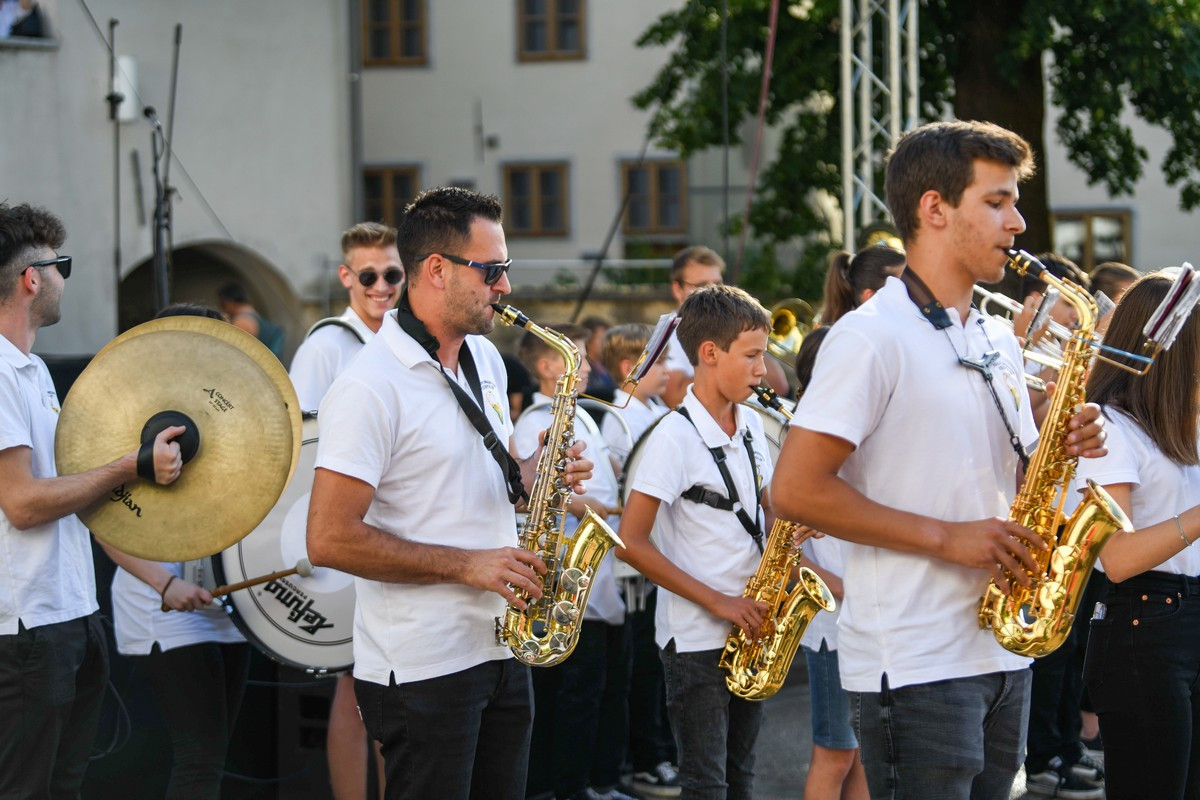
point(906, 449)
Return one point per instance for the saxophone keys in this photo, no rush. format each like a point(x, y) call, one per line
point(560, 642)
point(565, 612)
point(575, 580)
point(528, 651)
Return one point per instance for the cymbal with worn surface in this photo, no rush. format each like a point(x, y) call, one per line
point(241, 402)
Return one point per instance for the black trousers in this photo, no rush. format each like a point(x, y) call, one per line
point(52, 682)
point(1057, 693)
point(1143, 675)
point(580, 715)
point(458, 736)
point(199, 690)
point(650, 738)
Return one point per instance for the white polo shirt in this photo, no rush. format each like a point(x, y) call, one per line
point(391, 421)
point(1160, 487)
point(604, 601)
point(46, 573)
point(929, 440)
point(140, 621)
point(826, 553)
point(705, 542)
point(638, 415)
point(323, 354)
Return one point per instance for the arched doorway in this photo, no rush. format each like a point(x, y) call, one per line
point(199, 270)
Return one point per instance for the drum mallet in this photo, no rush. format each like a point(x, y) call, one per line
point(303, 568)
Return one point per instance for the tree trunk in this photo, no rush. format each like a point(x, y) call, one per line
point(981, 92)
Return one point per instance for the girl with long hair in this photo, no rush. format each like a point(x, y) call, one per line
point(852, 278)
point(1143, 658)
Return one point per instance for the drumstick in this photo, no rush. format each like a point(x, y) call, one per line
point(303, 568)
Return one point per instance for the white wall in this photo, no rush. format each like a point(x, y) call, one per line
point(261, 127)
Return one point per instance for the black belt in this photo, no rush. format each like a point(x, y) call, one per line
point(1165, 582)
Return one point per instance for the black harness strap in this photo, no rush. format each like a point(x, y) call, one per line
point(698, 494)
point(472, 408)
point(935, 312)
point(336, 322)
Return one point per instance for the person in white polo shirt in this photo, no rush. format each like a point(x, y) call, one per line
point(907, 445)
point(411, 499)
point(53, 646)
point(372, 274)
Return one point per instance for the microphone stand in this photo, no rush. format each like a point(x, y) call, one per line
point(162, 201)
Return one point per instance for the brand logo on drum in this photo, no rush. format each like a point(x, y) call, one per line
point(122, 495)
point(301, 607)
point(218, 400)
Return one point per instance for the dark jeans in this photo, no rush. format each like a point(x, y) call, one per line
point(650, 740)
point(960, 739)
point(1057, 693)
point(1143, 663)
point(199, 690)
point(579, 716)
point(52, 682)
point(715, 732)
point(464, 735)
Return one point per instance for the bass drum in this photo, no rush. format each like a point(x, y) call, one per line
point(305, 623)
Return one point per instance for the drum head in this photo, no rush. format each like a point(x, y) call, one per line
point(304, 622)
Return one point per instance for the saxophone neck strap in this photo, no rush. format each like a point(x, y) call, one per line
point(698, 494)
point(473, 408)
point(932, 309)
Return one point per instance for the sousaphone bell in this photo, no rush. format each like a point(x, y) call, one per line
point(240, 450)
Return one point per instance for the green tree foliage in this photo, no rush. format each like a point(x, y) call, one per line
point(1101, 62)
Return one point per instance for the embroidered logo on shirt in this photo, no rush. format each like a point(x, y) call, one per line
point(1015, 383)
point(491, 396)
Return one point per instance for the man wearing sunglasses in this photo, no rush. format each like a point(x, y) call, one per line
point(372, 274)
point(413, 499)
point(53, 648)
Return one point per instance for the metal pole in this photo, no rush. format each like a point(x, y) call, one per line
point(846, 100)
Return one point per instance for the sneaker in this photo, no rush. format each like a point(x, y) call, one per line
point(1061, 781)
point(1090, 768)
point(662, 782)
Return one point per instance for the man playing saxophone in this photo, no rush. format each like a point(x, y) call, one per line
point(908, 444)
point(412, 499)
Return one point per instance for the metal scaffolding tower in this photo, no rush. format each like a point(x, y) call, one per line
point(879, 85)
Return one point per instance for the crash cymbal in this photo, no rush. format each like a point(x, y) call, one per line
point(243, 406)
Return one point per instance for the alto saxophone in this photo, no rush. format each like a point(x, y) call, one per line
point(1035, 620)
point(546, 632)
point(755, 668)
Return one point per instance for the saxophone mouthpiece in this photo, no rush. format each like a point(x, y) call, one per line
point(510, 315)
point(1025, 263)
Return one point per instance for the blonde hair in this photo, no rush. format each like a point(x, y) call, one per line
point(623, 343)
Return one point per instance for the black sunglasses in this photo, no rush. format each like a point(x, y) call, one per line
point(492, 272)
point(62, 262)
point(368, 277)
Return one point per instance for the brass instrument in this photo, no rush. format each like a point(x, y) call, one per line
point(1035, 620)
point(791, 320)
point(547, 631)
point(756, 668)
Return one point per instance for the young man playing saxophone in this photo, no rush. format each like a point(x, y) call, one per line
point(906, 446)
point(409, 499)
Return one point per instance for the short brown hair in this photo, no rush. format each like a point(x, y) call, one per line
point(439, 221)
point(698, 254)
point(367, 234)
point(1163, 401)
point(623, 343)
point(533, 348)
point(24, 228)
point(718, 314)
point(941, 157)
